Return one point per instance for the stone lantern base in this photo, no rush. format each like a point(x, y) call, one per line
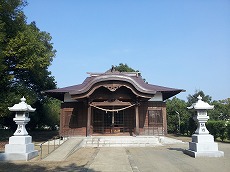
point(19, 148)
point(203, 146)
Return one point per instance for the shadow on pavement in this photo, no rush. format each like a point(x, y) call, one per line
point(176, 149)
point(28, 167)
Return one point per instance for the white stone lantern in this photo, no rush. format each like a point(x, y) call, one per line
point(21, 110)
point(202, 144)
point(202, 116)
point(20, 145)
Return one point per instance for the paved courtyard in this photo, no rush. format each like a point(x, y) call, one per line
point(143, 159)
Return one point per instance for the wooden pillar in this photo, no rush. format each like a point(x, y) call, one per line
point(164, 116)
point(88, 121)
point(137, 120)
point(61, 131)
point(112, 122)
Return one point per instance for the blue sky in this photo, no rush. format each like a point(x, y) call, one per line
point(178, 44)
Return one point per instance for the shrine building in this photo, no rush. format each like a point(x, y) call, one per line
point(113, 103)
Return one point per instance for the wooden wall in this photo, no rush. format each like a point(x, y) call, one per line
point(73, 119)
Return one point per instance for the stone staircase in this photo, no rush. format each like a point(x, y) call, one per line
point(75, 143)
point(121, 141)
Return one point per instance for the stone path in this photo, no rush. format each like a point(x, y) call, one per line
point(111, 159)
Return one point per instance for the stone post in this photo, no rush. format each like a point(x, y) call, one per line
point(20, 145)
point(202, 144)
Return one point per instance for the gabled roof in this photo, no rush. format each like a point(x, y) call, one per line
point(131, 78)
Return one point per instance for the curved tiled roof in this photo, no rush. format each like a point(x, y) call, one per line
point(131, 78)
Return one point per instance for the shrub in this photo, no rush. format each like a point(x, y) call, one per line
point(228, 130)
point(217, 129)
point(183, 128)
point(191, 126)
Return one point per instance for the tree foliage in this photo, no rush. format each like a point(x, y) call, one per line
point(12, 20)
point(25, 55)
point(124, 68)
point(177, 113)
point(217, 129)
point(221, 110)
point(228, 129)
point(193, 98)
point(218, 116)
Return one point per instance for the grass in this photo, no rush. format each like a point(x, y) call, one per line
point(187, 138)
point(5, 134)
point(44, 135)
point(184, 138)
point(38, 136)
point(224, 141)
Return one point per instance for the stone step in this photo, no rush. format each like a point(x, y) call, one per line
point(117, 141)
point(75, 143)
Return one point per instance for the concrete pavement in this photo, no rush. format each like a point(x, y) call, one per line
point(137, 159)
point(148, 159)
point(111, 159)
point(172, 158)
point(167, 157)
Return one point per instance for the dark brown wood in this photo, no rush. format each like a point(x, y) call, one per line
point(137, 121)
point(113, 103)
point(77, 118)
point(74, 118)
point(88, 121)
point(164, 120)
point(61, 122)
point(112, 87)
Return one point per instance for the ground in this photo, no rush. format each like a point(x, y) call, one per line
point(148, 159)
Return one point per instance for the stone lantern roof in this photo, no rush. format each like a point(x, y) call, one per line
point(200, 104)
point(22, 107)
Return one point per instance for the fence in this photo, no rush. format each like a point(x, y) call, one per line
point(49, 146)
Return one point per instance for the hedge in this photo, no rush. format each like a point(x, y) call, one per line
point(218, 129)
point(228, 130)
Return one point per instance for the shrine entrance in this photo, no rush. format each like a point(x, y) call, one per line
point(112, 123)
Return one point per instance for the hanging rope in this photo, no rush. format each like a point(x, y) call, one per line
point(112, 110)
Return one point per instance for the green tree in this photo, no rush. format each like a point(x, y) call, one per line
point(46, 115)
point(12, 20)
point(221, 110)
point(25, 55)
point(228, 129)
point(193, 98)
point(217, 129)
point(177, 115)
point(124, 68)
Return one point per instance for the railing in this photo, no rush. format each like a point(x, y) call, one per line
point(50, 145)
